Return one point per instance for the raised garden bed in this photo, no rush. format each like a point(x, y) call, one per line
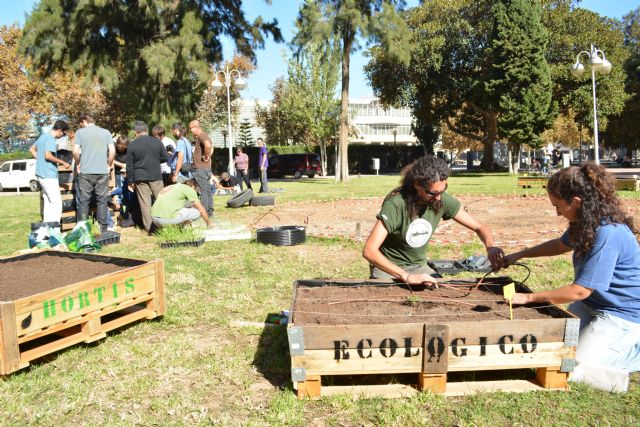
point(51, 300)
point(345, 328)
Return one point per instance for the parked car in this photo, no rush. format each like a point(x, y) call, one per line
point(19, 174)
point(294, 164)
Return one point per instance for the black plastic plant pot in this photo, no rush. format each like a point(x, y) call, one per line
point(187, 243)
point(288, 235)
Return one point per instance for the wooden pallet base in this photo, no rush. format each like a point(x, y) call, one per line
point(88, 328)
point(397, 391)
point(547, 379)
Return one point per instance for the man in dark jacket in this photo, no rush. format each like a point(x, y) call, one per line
point(144, 157)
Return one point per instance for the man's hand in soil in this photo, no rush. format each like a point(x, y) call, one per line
point(421, 279)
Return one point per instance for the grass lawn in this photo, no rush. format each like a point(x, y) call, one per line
point(193, 368)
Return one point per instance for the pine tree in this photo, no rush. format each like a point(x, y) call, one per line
point(244, 134)
point(520, 83)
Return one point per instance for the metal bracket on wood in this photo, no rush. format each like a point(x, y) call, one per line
point(296, 341)
point(298, 374)
point(571, 331)
point(567, 365)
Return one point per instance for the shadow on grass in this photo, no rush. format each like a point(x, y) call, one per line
point(272, 358)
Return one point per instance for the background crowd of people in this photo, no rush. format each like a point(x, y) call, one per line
point(143, 168)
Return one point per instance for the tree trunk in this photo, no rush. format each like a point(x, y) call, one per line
point(490, 138)
point(336, 168)
point(323, 156)
point(342, 174)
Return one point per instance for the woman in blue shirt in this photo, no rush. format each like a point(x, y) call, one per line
point(605, 293)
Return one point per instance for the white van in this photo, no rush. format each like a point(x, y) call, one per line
point(19, 174)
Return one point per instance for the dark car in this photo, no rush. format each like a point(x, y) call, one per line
point(294, 164)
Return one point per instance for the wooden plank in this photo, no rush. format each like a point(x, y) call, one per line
point(9, 350)
point(388, 391)
point(552, 378)
point(158, 304)
point(474, 387)
point(350, 336)
point(311, 387)
point(436, 383)
point(92, 329)
point(434, 349)
point(43, 350)
point(490, 357)
point(126, 319)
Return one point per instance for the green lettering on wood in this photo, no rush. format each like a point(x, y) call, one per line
point(67, 304)
point(83, 299)
point(115, 290)
point(129, 286)
point(49, 308)
point(99, 291)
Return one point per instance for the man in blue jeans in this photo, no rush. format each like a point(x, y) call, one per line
point(202, 165)
point(93, 152)
point(263, 165)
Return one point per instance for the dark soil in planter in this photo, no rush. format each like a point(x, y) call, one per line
point(376, 304)
point(24, 277)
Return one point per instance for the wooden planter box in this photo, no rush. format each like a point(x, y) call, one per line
point(533, 181)
point(628, 183)
point(428, 349)
point(36, 325)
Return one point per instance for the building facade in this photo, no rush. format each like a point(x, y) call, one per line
point(370, 123)
point(373, 124)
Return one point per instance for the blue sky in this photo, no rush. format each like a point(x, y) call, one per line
point(271, 64)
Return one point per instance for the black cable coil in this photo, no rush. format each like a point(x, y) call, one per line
point(288, 235)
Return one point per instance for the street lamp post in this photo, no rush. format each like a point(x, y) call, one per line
point(240, 84)
point(601, 65)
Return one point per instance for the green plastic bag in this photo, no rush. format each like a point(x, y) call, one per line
point(81, 239)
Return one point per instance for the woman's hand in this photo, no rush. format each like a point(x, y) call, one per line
point(519, 299)
point(508, 260)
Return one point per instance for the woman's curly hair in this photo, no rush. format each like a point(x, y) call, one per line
point(424, 171)
point(597, 190)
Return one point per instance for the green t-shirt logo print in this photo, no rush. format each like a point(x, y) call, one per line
point(418, 233)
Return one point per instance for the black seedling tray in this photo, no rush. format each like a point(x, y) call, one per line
point(189, 243)
point(445, 266)
point(108, 238)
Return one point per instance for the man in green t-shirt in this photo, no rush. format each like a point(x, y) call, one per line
point(397, 245)
point(178, 204)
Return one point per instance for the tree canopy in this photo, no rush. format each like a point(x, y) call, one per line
point(152, 55)
point(483, 67)
point(322, 21)
point(473, 66)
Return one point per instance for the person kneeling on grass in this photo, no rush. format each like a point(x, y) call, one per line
point(410, 214)
point(178, 204)
point(605, 292)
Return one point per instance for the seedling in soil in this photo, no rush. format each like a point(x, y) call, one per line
point(177, 234)
point(412, 301)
